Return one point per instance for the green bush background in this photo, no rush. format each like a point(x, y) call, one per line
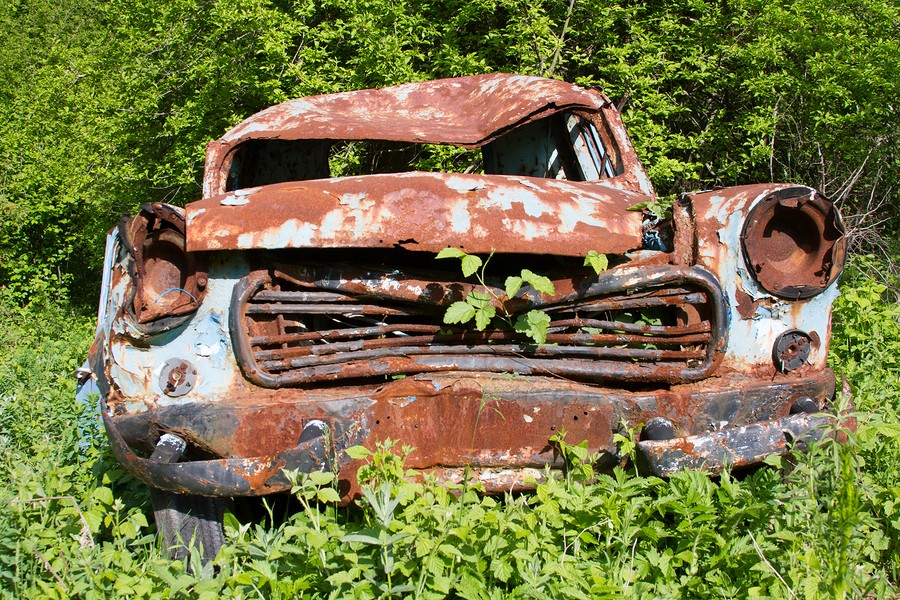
point(105, 105)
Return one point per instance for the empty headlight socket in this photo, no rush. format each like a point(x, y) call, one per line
point(793, 242)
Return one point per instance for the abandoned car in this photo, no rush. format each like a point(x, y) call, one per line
point(299, 308)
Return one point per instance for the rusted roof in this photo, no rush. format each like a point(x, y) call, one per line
point(464, 111)
point(421, 211)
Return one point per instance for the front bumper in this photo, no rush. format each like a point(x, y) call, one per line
point(733, 446)
point(494, 428)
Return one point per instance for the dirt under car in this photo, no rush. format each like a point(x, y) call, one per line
point(297, 309)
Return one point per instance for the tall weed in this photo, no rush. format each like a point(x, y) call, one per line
point(822, 523)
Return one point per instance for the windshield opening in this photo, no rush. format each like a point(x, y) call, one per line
point(564, 146)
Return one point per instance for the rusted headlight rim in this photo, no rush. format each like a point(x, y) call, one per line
point(793, 243)
point(157, 236)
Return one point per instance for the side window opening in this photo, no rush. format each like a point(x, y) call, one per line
point(537, 149)
point(594, 159)
point(564, 146)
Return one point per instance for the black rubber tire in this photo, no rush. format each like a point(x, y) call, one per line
point(186, 522)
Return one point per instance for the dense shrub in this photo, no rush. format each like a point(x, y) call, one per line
point(107, 105)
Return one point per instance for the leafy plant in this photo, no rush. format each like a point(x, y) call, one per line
point(598, 262)
point(482, 306)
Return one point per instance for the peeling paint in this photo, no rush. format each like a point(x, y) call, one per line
point(316, 305)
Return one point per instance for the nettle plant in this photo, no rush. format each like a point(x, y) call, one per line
point(481, 306)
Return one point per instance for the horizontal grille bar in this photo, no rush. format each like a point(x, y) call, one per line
point(667, 326)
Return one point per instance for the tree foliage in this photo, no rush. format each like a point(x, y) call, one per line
point(108, 105)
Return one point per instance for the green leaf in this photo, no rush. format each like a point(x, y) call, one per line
point(451, 253)
point(362, 538)
point(328, 495)
point(231, 522)
point(358, 452)
point(103, 495)
point(538, 282)
point(512, 285)
point(483, 316)
point(94, 519)
point(459, 312)
point(340, 578)
point(470, 264)
point(139, 519)
point(501, 569)
point(478, 299)
point(535, 325)
point(321, 477)
point(661, 207)
point(599, 262)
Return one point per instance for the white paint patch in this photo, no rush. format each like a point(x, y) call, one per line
point(528, 230)
point(460, 219)
point(331, 224)
point(463, 184)
point(231, 200)
point(194, 215)
point(505, 198)
point(528, 418)
point(571, 214)
point(291, 234)
point(356, 201)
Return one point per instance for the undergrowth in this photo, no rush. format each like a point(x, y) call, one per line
point(824, 523)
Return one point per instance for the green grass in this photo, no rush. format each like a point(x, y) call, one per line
point(822, 524)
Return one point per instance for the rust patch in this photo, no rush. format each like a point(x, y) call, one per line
point(423, 211)
point(794, 243)
point(258, 474)
point(169, 282)
point(465, 111)
point(387, 329)
point(267, 431)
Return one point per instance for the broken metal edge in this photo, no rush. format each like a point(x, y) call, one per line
point(731, 447)
point(255, 476)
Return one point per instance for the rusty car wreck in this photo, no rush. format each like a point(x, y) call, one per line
point(296, 309)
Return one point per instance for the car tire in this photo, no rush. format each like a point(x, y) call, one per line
point(186, 522)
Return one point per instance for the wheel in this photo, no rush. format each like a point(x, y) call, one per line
point(187, 522)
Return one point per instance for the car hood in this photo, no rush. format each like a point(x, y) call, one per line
point(421, 211)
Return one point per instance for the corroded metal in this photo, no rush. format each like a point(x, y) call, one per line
point(794, 241)
point(169, 282)
point(274, 327)
point(277, 341)
point(757, 317)
point(734, 447)
point(421, 211)
point(452, 420)
point(466, 111)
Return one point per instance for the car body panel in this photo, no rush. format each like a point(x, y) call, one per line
point(274, 326)
point(421, 211)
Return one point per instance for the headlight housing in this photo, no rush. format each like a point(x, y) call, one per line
point(169, 282)
point(793, 242)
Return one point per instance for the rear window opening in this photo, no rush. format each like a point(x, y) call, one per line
point(564, 146)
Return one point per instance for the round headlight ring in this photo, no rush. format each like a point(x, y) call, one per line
point(793, 242)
